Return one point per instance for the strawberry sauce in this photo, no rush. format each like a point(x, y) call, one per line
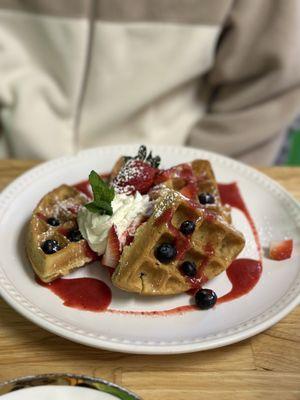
point(90, 253)
point(41, 216)
point(87, 294)
point(84, 187)
point(182, 171)
point(243, 274)
point(230, 194)
point(171, 311)
point(181, 242)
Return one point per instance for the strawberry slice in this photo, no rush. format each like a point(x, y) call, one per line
point(112, 252)
point(164, 175)
point(190, 191)
point(281, 250)
point(127, 237)
point(182, 171)
point(136, 175)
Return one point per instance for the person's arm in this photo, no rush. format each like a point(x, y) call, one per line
point(254, 84)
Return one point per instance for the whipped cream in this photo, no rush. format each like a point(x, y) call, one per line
point(126, 211)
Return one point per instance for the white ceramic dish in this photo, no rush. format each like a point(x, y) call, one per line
point(57, 392)
point(275, 212)
point(63, 387)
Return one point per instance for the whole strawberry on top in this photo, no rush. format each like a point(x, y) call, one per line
point(138, 173)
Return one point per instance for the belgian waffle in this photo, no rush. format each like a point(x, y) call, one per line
point(205, 182)
point(213, 246)
point(62, 203)
point(203, 176)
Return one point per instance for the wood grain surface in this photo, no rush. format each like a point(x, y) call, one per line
point(263, 367)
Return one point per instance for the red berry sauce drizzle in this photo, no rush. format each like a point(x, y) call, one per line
point(87, 294)
point(84, 187)
point(94, 295)
point(181, 242)
point(243, 273)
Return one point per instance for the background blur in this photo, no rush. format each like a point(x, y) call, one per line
point(290, 151)
point(221, 75)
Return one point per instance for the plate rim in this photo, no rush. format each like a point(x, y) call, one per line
point(251, 327)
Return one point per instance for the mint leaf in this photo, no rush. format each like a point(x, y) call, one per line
point(103, 195)
point(93, 208)
point(101, 190)
point(100, 207)
point(104, 209)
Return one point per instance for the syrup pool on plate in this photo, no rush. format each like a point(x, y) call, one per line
point(87, 294)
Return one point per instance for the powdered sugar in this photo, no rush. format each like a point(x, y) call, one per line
point(135, 176)
point(129, 172)
point(167, 200)
point(67, 207)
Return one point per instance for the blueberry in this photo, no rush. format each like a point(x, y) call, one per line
point(206, 198)
point(188, 268)
point(53, 221)
point(74, 236)
point(187, 227)
point(165, 253)
point(205, 299)
point(50, 246)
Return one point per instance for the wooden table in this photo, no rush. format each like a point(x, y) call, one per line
point(266, 366)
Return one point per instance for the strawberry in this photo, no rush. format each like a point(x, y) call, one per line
point(281, 250)
point(190, 191)
point(183, 171)
point(136, 175)
point(163, 176)
point(112, 252)
point(127, 237)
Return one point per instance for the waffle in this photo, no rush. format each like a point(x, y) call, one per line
point(205, 181)
point(62, 203)
point(117, 167)
point(213, 246)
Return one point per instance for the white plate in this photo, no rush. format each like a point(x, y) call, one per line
point(275, 212)
point(63, 387)
point(57, 393)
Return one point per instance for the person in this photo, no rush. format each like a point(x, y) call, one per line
point(221, 75)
